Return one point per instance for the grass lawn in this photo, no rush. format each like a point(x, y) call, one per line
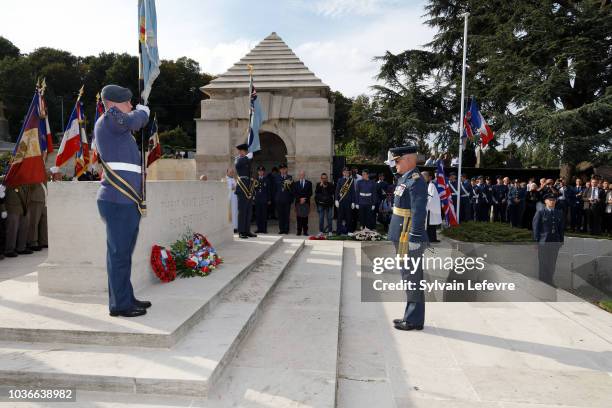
point(499, 232)
point(605, 305)
point(472, 231)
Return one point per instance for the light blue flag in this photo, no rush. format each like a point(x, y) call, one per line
point(149, 57)
point(257, 116)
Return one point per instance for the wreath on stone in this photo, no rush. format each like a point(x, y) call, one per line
point(163, 263)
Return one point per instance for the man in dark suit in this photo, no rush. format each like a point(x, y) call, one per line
point(302, 191)
point(548, 229)
point(594, 203)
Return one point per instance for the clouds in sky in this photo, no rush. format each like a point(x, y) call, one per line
point(336, 39)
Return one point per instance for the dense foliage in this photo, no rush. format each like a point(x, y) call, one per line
point(541, 71)
point(175, 98)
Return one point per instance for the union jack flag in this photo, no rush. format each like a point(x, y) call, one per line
point(446, 199)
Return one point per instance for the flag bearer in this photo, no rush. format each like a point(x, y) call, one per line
point(119, 198)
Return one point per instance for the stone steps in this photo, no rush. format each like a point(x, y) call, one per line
point(188, 368)
point(177, 306)
point(291, 357)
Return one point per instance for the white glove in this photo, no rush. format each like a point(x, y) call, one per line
point(3, 215)
point(352, 206)
point(250, 155)
point(337, 204)
point(357, 206)
point(373, 207)
point(2, 191)
point(413, 246)
point(144, 109)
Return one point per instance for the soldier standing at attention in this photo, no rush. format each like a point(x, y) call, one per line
point(263, 198)
point(119, 200)
point(367, 200)
point(283, 198)
point(548, 232)
point(244, 191)
point(345, 202)
point(407, 231)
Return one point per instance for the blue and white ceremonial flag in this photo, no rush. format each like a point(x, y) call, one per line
point(256, 118)
point(147, 35)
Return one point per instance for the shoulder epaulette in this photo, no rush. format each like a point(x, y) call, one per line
point(416, 176)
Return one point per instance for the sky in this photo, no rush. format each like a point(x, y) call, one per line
point(336, 39)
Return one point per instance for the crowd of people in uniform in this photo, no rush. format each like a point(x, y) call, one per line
point(586, 206)
point(363, 199)
point(359, 200)
point(23, 217)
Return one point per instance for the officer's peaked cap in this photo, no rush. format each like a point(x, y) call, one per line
point(402, 150)
point(242, 146)
point(550, 197)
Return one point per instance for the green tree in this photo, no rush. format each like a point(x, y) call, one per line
point(342, 107)
point(8, 49)
point(540, 71)
point(176, 138)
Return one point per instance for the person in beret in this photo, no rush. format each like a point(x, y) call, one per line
point(548, 232)
point(119, 197)
point(244, 191)
point(407, 231)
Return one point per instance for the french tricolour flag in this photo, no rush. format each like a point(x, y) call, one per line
point(475, 124)
point(444, 192)
point(71, 142)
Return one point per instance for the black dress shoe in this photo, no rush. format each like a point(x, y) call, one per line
point(44, 246)
point(142, 304)
point(407, 326)
point(259, 232)
point(298, 234)
point(35, 248)
point(398, 321)
point(25, 252)
point(235, 231)
point(243, 236)
point(129, 313)
point(250, 234)
point(11, 255)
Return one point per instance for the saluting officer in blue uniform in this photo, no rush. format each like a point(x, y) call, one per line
point(345, 201)
point(263, 198)
point(119, 198)
point(548, 232)
point(367, 200)
point(407, 231)
point(283, 197)
point(244, 191)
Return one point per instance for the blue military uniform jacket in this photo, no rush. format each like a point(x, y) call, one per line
point(118, 148)
point(367, 193)
point(467, 189)
point(243, 171)
point(500, 193)
point(283, 189)
point(263, 191)
point(349, 197)
point(548, 226)
point(410, 193)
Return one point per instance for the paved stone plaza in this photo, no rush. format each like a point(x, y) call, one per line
point(292, 331)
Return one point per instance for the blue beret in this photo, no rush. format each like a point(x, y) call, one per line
point(402, 150)
point(116, 93)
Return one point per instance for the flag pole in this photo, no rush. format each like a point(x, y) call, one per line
point(465, 32)
point(143, 165)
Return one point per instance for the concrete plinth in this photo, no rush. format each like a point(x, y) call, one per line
point(77, 235)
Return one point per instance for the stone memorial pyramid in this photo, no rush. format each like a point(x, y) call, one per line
point(275, 67)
